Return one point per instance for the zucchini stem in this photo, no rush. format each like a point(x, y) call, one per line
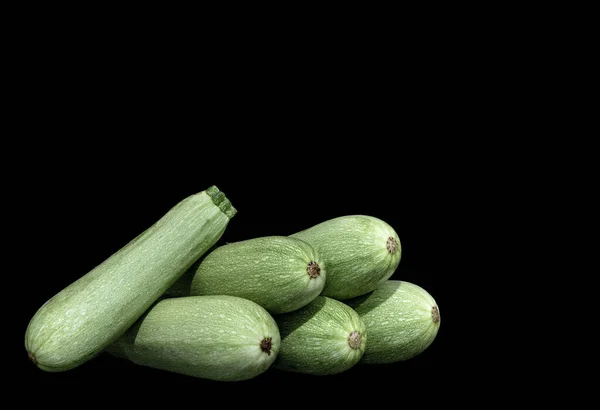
point(392, 245)
point(221, 201)
point(435, 314)
point(265, 345)
point(313, 269)
point(355, 340)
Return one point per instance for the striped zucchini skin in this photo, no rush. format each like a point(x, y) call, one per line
point(402, 319)
point(222, 338)
point(279, 273)
point(84, 318)
point(324, 337)
point(182, 286)
point(360, 251)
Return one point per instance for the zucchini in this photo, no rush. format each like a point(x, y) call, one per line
point(212, 337)
point(402, 319)
point(182, 286)
point(84, 318)
point(279, 273)
point(324, 337)
point(360, 251)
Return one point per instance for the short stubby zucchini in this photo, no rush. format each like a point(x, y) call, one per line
point(402, 319)
point(222, 338)
point(360, 251)
point(279, 273)
point(88, 315)
point(324, 337)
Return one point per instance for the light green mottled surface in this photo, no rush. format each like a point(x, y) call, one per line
point(354, 248)
point(182, 286)
point(271, 271)
point(315, 339)
point(402, 320)
point(212, 337)
point(85, 317)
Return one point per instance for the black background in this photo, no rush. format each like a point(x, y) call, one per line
point(109, 139)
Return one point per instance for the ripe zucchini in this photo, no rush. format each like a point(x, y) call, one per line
point(182, 286)
point(402, 319)
point(324, 337)
point(212, 337)
point(360, 251)
point(84, 318)
point(279, 273)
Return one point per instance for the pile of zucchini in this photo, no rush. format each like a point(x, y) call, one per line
point(316, 302)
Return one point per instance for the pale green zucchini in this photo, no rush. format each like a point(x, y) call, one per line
point(84, 318)
point(279, 273)
point(402, 319)
point(360, 251)
point(182, 286)
point(324, 337)
point(212, 337)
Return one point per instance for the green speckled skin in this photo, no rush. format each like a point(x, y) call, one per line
point(400, 319)
point(211, 337)
point(84, 318)
point(315, 339)
point(355, 250)
point(271, 271)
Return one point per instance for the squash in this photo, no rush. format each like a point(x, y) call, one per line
point(360, 251)
point(84, 318)
point(402, 319)
point(279, 273)
point(212, 337)
point(324, 337)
